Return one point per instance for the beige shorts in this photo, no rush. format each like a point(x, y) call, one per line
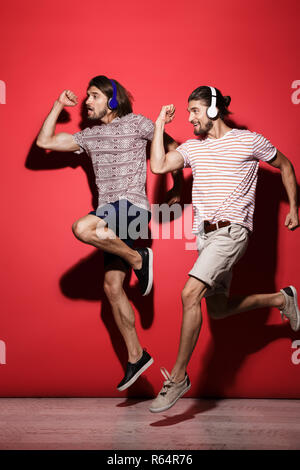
point(218, 252)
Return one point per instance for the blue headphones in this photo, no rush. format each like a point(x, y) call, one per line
point(113, 102)
point(212, 111)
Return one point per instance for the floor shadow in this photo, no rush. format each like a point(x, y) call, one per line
point(200, 407)
point(138, 392)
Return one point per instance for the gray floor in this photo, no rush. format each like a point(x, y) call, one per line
point(111, 424)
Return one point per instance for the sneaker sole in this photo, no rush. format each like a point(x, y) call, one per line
point(136, 376)
point(164, 408)
point(296, 307)
point(150, 272)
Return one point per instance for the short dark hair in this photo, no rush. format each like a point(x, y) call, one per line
point(124, 97)
point(203, 93)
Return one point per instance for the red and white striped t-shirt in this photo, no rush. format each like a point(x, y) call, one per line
point(225, 175)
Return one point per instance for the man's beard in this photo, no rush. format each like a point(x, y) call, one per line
point(203, 131)
point(96, 117)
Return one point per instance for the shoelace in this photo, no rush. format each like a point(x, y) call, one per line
point(167, 383)
point(284, 317)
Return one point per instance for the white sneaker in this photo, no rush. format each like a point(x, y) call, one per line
point(170, 392)
point(291, 310)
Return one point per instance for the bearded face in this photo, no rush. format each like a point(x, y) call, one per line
point(96, 104)
point(203, 129)
point(198, 117)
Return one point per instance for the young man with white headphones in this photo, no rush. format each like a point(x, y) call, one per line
point(224, 163)
point(117, 148)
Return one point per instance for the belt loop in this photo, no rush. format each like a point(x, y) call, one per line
point(217, 224)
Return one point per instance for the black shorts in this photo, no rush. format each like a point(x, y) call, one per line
point(118, 215)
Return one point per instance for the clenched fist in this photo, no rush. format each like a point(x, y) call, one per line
point(68, 98)
point(167, 113)
point(292, 220)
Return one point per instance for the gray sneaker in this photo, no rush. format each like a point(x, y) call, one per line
point(291, 310)
point(170, 392)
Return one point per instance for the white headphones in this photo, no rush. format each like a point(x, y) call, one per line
point(212, 111)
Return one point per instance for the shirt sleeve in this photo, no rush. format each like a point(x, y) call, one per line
point(183, 149)
point(78, 137)
point(146, 128)
point(262, 148)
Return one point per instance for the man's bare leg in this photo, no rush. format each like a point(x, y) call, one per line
point(121, 308)
point(221, 306)
point(192, 294)
point(92, 230)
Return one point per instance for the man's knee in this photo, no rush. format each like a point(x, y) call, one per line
point(192, 294)
point(81, 230)
point(113, 289)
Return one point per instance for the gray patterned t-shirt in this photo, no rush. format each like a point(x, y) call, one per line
point(118, 154)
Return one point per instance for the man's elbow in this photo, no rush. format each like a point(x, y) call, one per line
point(43, 144)
point(287, 167)
point(156, 170)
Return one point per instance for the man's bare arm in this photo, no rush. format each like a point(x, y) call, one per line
point(160, 162)
point(290, 183)
point(174, 194)
point(62, 141)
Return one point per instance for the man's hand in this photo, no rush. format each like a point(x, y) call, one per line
point(166, 114)
point(68, 98)
point(292, 220)
point(173, 196)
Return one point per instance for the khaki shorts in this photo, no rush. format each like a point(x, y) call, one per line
point(218, 252)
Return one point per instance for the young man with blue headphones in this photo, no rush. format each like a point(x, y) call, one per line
point(224, 163)
point(117, 148)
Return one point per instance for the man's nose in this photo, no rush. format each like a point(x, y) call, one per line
point(88, 100)
point(191, 117)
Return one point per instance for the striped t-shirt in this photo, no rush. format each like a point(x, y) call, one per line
point(225, 175)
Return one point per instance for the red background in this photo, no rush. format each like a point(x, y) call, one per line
point(59, 334)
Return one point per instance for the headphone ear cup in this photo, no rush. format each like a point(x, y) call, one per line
point(112, 103)
point(212, 112)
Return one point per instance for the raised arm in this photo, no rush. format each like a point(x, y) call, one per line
point(62, 141)
point(174, 194)
point(290, 183)
point(160, 161)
